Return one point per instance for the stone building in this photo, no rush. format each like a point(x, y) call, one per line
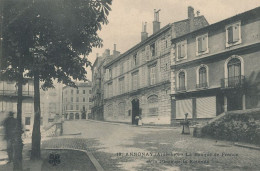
point(8, 101)
point(216, 68)
point(98, 75)
point(138, 81)
point(76, 102)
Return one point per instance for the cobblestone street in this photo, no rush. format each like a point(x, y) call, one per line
point(126, 147)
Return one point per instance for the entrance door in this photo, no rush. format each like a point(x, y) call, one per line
point(234, 102)
point(135, 111)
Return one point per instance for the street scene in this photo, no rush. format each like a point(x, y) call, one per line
point(129, 85)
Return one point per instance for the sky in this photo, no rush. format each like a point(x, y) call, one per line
point(126, 17)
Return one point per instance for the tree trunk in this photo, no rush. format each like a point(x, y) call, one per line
point(36, 134)
point(18, 144)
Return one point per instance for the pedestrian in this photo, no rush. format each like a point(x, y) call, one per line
point(10, 124)
point(140, 121)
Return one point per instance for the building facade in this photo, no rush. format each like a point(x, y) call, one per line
point(76, 102)
point(137, 83)
point(216, 68)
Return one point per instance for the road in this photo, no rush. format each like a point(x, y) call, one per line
point(127, 147)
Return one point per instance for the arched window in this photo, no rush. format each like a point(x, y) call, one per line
point(71, 116)
point(203, 77)
point(182, 81)
point(153, 105)
point(234, 68)
point(77, 116)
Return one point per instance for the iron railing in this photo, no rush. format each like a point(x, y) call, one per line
point(233, 82)
point(202, 85)
point(183, 88)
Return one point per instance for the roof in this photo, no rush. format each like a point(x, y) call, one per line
point(251, 13)
point(181, 28)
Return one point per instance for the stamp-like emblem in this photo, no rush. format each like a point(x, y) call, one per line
point(54, 159)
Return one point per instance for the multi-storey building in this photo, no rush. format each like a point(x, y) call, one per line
point(76, 102)
point(51, 103)
point(98, 74)
point(8, 101)
point(138, 81)
point(216, 68)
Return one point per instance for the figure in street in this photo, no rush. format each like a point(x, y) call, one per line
point(10, 127)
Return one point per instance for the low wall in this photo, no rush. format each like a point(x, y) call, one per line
point(239, 126)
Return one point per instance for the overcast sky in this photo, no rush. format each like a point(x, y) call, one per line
point(126, 17)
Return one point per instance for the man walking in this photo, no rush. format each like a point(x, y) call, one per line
point(10, 124)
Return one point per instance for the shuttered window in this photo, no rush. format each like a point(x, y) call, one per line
point(182, 107)
point(181, 49)
point(233, 34)
point(206, 107)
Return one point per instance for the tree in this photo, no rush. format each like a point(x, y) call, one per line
point(58, 34)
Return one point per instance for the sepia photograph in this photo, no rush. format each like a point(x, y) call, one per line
point(120, 85)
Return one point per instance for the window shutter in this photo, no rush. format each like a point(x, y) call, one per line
point(179, 50)
point(147, 52)
point(236, 33)
point(183, 50)
point(230, 34)
point(203, 43)
point(199, 44)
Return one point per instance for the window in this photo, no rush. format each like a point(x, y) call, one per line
point(152, 75)
point(83, 99)
point(84, 92)
point(110, 89)
point(71, 99)
point(71, 107)
point(234, 68)
point(77, 99)
point(233, 34)
point(77, 91)
point(135, 59)
point(27, 121)
point(90, 92)
point(89, 100)
point(110, 73)
point(77, 107)
point(202, 44)
point(135, 80)
point(71, 91)
point(121, 85)
point(182, 81)
point(122, 68)
point(202, 76)
point(153, 105)
point(152, 49)
point(83, 108)
point(181, 50)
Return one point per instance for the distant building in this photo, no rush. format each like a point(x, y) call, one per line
point(137, 82)
point(216, 68)
point(76, 102)
point(51, 103)
point(97, 110)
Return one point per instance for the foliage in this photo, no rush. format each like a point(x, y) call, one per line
point(236, 127)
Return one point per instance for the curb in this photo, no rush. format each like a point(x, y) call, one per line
point(72, 134)
point(90, 155)
point(247, 146)
point(143, 126)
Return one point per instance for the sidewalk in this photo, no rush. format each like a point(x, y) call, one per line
point(129, 124)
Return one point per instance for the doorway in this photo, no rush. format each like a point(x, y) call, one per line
point(234, 102)
point(135, 111)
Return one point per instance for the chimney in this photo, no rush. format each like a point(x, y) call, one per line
point(107, 53)
point(114, 51)
point(144, 33)
point(156, 23)
point(191, 16)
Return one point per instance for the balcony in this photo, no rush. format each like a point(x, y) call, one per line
point(178, 89)
point(202, 85)
point(15, 93)
point(233, 82)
